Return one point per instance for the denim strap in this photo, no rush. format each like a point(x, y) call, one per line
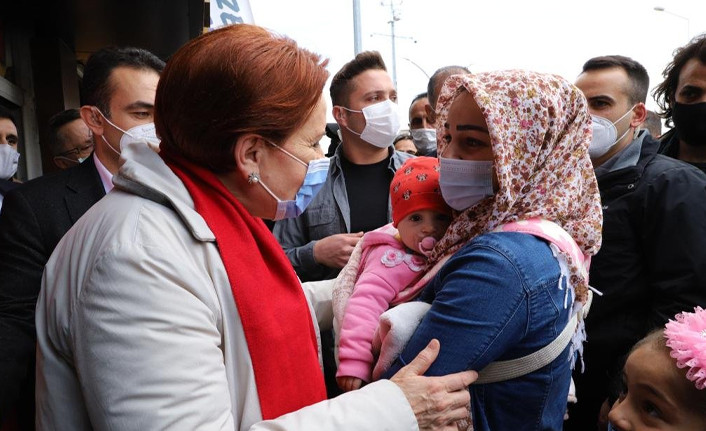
point(499, 371)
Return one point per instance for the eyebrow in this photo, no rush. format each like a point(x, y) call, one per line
point(602, 97)
point(380, 92)
point(140, 104)
point(461, 127)
point(690, 87)
point(657, 394)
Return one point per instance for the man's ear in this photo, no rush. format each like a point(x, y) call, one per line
point(639, 115)
point(431, 115)
point(248, 153)
point(340, 116)
point(92, 119)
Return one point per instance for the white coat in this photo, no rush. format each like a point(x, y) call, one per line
point(137, 327)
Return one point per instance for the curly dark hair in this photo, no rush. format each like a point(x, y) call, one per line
point(665, 93)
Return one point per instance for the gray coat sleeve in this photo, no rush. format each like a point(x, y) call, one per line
point(292, 235)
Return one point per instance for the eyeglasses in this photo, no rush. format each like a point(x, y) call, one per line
point(75, 150)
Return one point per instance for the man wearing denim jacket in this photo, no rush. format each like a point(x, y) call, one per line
point(354, 198)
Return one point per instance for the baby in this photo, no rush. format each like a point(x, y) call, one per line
point(664, 379)
point(392, 260)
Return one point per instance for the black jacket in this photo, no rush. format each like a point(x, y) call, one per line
point(652, 264)
point(6, 186)
point(669, 146)
point(34, 217)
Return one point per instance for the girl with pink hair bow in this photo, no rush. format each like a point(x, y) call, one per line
point(664, 379)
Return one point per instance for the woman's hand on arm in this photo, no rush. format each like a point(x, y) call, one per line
point(406, 402)
point(437, 402)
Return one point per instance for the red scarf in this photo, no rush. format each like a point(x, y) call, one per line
point(271, 304)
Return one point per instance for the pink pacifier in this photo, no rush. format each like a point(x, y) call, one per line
point(427, 245)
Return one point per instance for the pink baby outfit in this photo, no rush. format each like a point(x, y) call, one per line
point(386, 269)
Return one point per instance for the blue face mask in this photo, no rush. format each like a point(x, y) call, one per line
point(316, 174)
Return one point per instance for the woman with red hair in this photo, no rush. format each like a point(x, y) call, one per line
point(170, 304)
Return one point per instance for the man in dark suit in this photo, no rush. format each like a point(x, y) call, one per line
point(119, 87)
point(70, 139)
point(9, 139)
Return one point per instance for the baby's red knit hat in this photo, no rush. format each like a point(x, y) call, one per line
point(415, 187)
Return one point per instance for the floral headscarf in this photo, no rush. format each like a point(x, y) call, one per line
point(540, 130)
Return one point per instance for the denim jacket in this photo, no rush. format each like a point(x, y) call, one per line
point(327, 214)
point(499, 298)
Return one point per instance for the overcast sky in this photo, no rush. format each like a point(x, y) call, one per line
point(543, 35)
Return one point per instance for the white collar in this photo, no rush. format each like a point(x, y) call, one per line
point(104, 173)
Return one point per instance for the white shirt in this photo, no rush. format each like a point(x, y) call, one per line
point(104, 173)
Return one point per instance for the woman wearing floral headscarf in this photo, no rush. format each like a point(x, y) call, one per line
point(511, 270)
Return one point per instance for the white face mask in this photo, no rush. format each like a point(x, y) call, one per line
point(145, 132)
point(605, 135)
point(9, 159)
point(424, 140)
point(381, 123)
point(464, 183)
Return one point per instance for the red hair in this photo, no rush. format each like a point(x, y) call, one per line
point(231, 81)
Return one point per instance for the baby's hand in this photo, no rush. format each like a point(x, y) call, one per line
point(348, 383)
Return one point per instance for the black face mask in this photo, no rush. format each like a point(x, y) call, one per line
point(690, 122)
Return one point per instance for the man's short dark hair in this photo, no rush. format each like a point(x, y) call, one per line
point(96, 85)
point(417, 97)
point(438, 77)
point(402, 136)
point(637, 74)
point(5, 113)
point(56, 122)
point(341, 83)
point(666, 92)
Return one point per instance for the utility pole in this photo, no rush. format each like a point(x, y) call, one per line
point(393, 37)
point(395, 17)
point(357, 42)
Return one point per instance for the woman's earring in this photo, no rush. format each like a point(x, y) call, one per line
point(254, 177)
